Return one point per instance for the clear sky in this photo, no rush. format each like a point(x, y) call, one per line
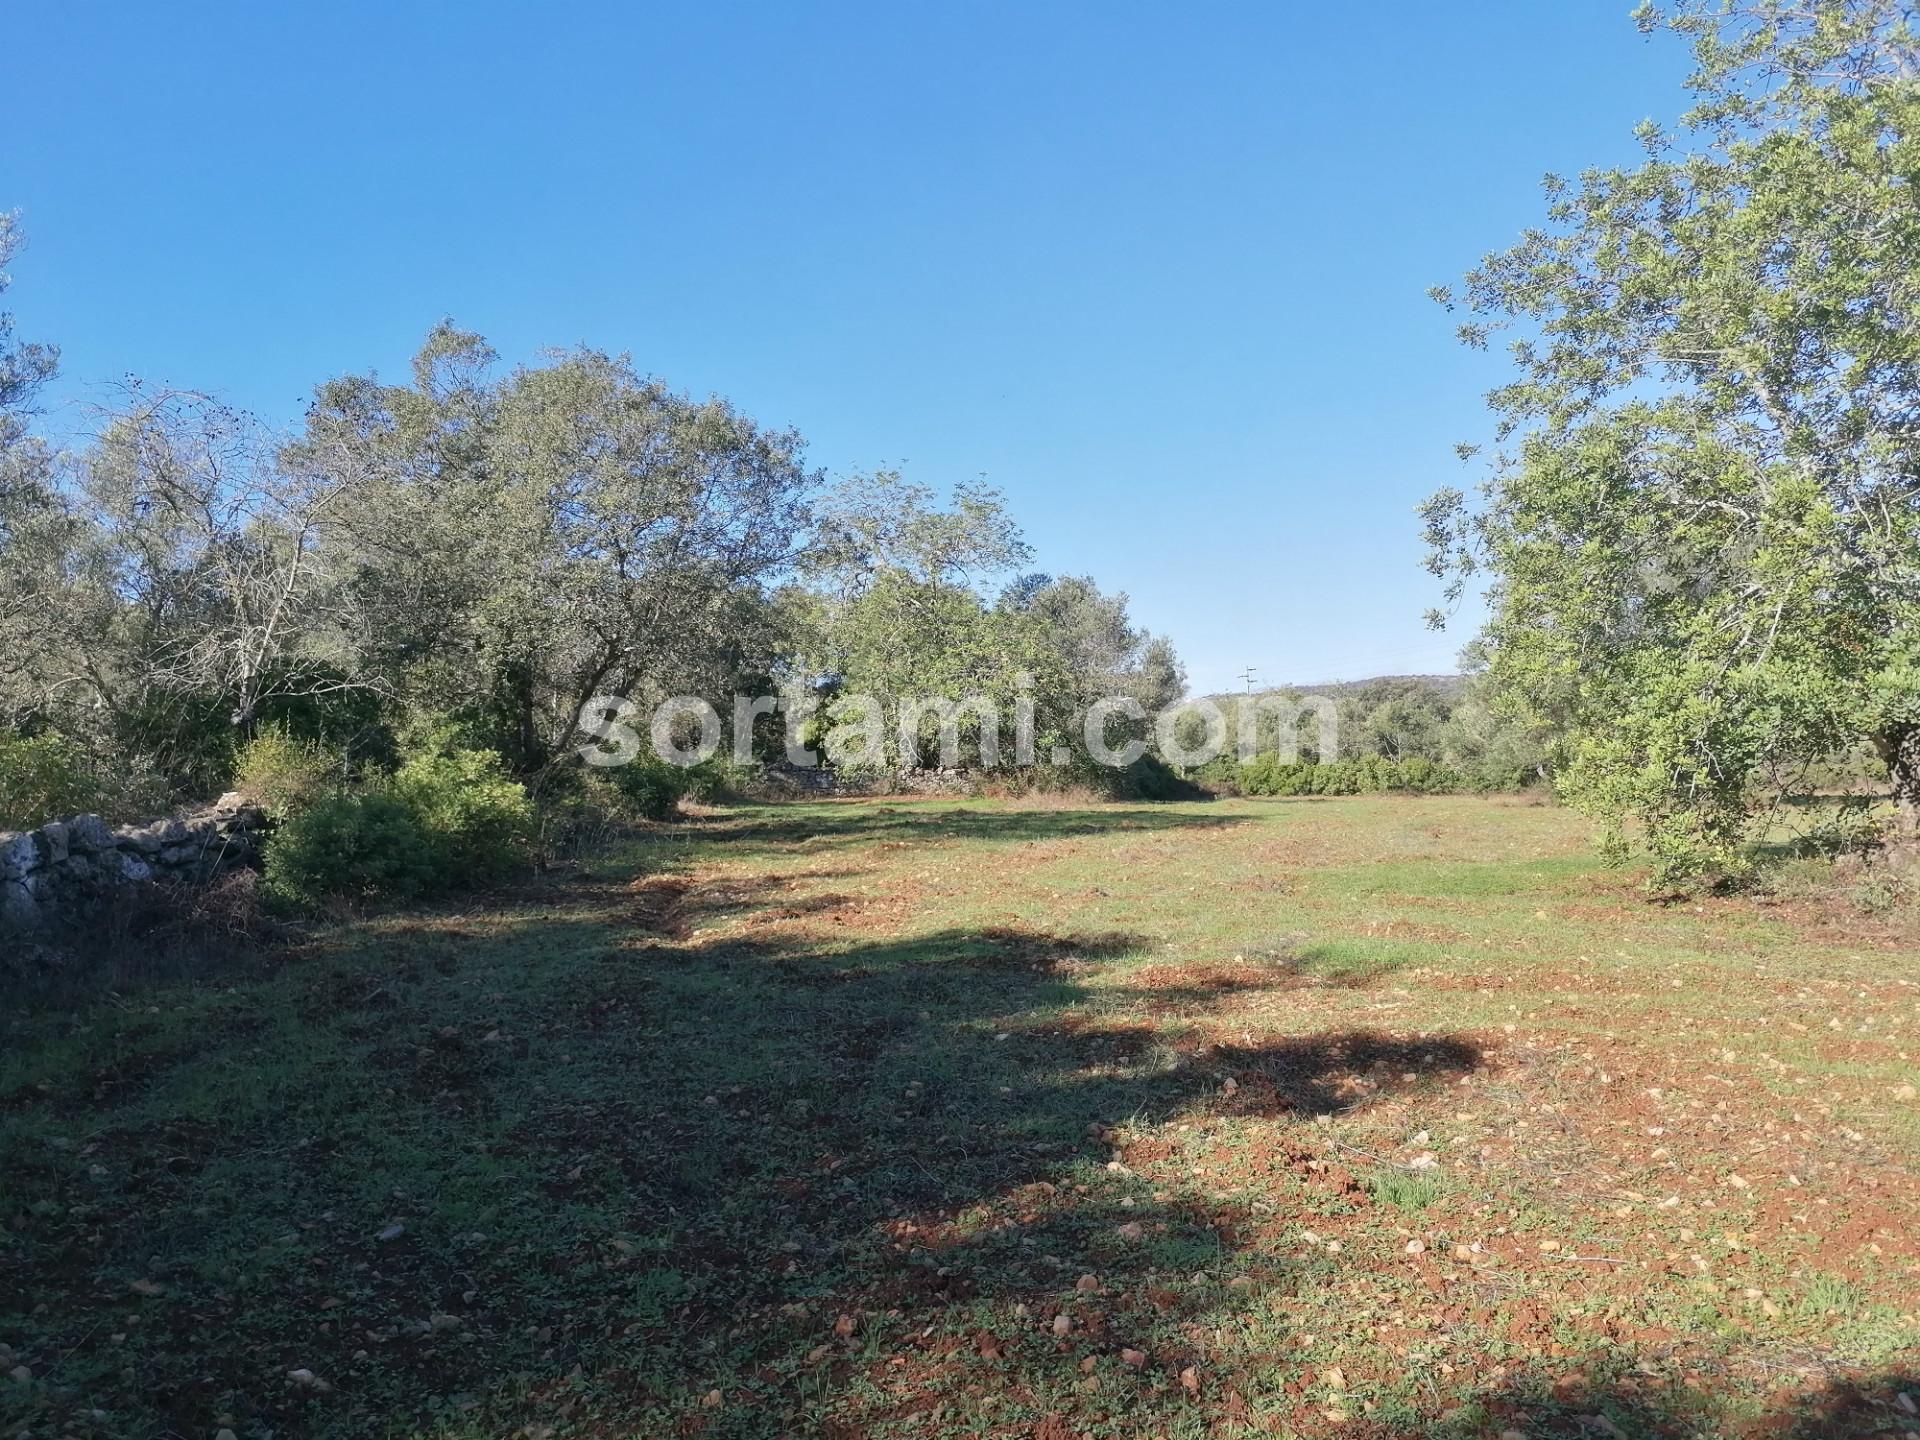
point(1158, 272)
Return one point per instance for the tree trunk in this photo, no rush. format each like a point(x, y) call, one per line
point(1900, 748)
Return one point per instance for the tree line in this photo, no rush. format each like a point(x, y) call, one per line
point(461, 560)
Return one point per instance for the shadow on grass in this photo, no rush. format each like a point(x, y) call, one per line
point(1632, 1406)
point(574, 1172)
point(825, 825)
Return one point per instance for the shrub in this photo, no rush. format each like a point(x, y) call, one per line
point(1369, 775)
point(1151, 778)
point(44, 779)
point(477, 818)
point(360, 846)
point(283, 774)
point(717, 778)
point(443, 820)
point(650, 787)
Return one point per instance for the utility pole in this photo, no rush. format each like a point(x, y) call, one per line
point(1247, 675)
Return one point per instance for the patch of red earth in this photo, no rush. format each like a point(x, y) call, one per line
point(655, 905)
point(1208, 986)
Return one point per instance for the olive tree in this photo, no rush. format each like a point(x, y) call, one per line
point(1700, 533)
point(515, 545)
point(31, 519)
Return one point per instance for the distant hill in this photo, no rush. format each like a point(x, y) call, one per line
point(1452, 687)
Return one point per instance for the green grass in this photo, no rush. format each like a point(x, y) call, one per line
point(809, 1120)
point(1405, 1191)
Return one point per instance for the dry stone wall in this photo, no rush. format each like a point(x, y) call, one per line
point(61, 872)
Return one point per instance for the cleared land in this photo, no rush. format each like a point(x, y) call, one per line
point(1358, 1117)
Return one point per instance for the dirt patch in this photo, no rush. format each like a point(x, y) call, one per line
point(656, 906)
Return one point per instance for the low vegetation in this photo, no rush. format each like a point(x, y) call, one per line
point(1340, 1089)
point(1370, 1116)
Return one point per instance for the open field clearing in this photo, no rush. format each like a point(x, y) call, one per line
point(1360, 1117)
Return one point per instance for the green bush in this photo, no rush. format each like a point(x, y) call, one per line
point(443, 821)
point(717, 778)
point(283, 774)
point(363, 846)
point(649, 786)
point(1369, 775)
point(1151, 778)
point(44, 779)
point(477, 817)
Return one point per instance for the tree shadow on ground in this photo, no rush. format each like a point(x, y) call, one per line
point(818, 827)
point(580, 1171)
point(1634, 1406)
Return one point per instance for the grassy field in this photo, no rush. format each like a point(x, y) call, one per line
point(1362, 1117)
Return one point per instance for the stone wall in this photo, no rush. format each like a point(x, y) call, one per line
point(62, 871)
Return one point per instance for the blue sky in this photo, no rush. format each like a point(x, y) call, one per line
point(1158, 272)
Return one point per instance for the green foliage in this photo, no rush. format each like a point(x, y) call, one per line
point(477, 818)
point(45, 778)
point(1698, 540)
point(187, 737)
point(1148, 778)
point(1369, 775)
point(444, 821)
point(520, 542)
point(1405, 1190)
point(353, 846)
point(717, 778)
point(1447, 719)
point(283, 774)
point(650, 788)
point(896, 608)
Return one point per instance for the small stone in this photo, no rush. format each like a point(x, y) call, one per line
point(1134, 1359)
point(1063, 1324)
point(1416, 1247)
point(1087, 1285)
point(392, 1232)
point(1132, 1230)
point(21, 1374)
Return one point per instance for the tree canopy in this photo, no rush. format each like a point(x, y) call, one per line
point(468, 556)
point(1700, 531)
